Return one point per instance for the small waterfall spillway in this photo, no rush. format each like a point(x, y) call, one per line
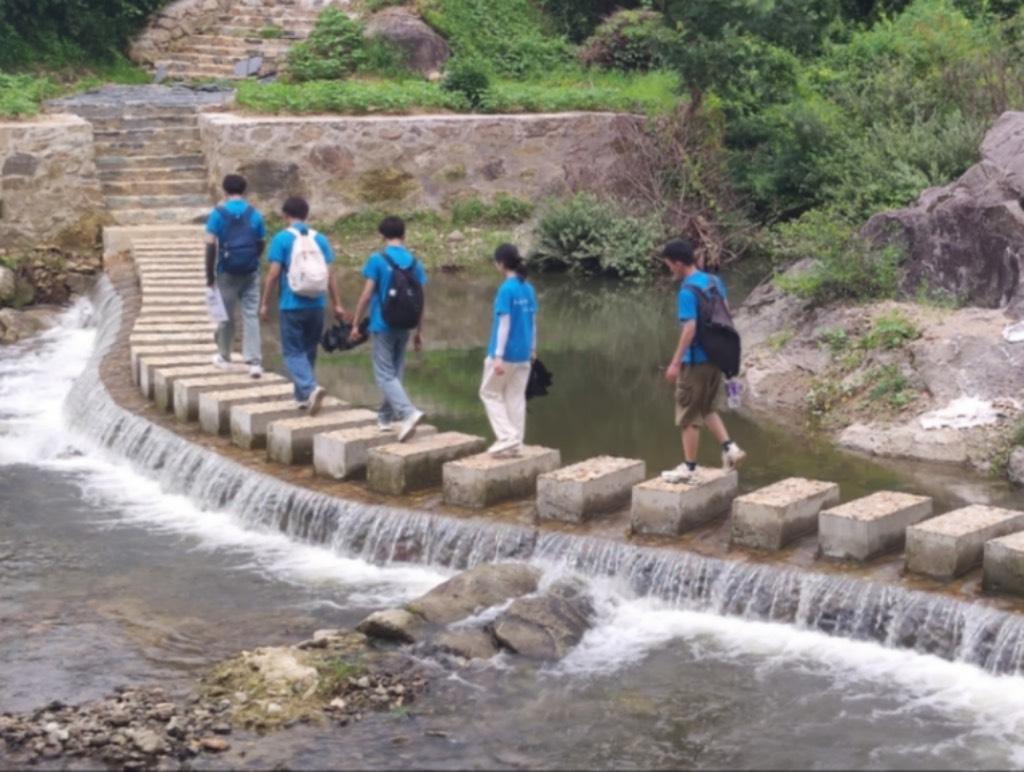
point(982, 636)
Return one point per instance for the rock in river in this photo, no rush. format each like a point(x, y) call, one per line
point(474, 590)
point(547, 626)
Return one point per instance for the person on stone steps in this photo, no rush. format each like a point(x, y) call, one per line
point(300, 260)
point(394, 294)
point(697, 381)
point(235, 239)
point(511, 351)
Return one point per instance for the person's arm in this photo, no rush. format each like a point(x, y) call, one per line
point(211, 259)
point(533, 346)
point(336, 304)
point(417, 342)
point(504, 328)
point(273, 274)
point(361, 306)
point(685, 341)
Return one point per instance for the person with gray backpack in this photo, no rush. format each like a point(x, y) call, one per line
point(394, 294)
point(235, 238)
point(300, 260)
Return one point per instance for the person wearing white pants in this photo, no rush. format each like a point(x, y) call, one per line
point(512, 349)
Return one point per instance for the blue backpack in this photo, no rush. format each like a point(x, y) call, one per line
point(239, 249)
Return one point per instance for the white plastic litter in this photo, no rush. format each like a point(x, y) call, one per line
point(962, 413)
point(1014, 333)
point(215, 305)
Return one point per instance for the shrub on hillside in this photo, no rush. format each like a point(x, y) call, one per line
point(630, 40)
point(468, 77)
point(337, 47)
point(577, 19)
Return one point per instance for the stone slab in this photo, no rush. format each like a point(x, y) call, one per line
point(215, 406)
point(342, 455)
point(589, 488)
point(952, 544)
point(122, 238)
point(873, 525)
point(668, 509)
point(1003, 564)
point(164, 379)
point(772, 517)
point(156, 338)
point(483, 480)
point(249, 423)
point(290, 441)
point(401, 468)
point(148, 365)
point(137, 352)
point(153, 328)
point(187, 390)
point(169, 317)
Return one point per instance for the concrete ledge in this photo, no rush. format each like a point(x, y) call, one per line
point(772, 517)
point(165, 378)
point(148, 365)
point(870, 526)
point(480, 481)
point(137, 352)
point(952, 544)
point(668, 509)
point(187, 390)
point(215, 406)
point(342, 455)
point(589, 488)
point(401, 468)
point(1003, 564)
point(249, 423)
point(290, 441)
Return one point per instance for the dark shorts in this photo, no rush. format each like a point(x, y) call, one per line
point(697, 390)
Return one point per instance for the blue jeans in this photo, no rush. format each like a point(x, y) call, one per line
point(388, 369)
point(244, 290)
point(300, 337)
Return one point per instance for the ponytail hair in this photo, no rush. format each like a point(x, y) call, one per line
point(508, 257)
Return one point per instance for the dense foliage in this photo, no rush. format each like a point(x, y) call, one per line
point(337, 48)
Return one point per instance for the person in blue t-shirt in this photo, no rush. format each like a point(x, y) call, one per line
point(389, 344)
point(697, 380)
point(510, 354)
point(235, 238)
point(302, 318)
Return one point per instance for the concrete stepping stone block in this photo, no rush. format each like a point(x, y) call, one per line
point(480, 481)
point(1003, 564)
point(156, 338)
point(215, 406)
point(164, 379)
point(158, 328)
point(772, 517)
point(873, 525)
point(149, 350)
point(187, 390)
point(342, 455)
point(589, 488)
point(290, 441)
point(662, 508)
point(249, 423)
point(171, 318)
point(148, 365)
point(401, 468)
point(952, 544)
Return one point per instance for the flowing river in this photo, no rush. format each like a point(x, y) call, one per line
point(117, 570)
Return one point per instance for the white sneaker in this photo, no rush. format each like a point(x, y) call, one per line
point(733, 458)
point(384, 427)
point(504, 448)
point(681, 474)
point(221, 362)
point(302, 405)
point(255, 371)
point(408, 426)
point(316, 400)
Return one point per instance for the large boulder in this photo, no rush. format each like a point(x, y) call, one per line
point(425, 51)
point(546, 626)
point(18, 325)
point(393, 624)
point(968, 237)
point(479, 588)
point(8, 286)
point(1015, 467)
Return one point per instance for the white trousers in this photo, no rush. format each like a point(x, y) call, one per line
point(504, 398)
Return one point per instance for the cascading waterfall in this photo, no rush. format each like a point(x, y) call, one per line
point(850, 608)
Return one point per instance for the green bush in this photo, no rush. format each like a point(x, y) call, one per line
point(467, 77)
point(577, 19)
point(891, 331)
point(20, 95)
point(337, 48)
point(588, 235)
point(503, 210)
point(630, 40)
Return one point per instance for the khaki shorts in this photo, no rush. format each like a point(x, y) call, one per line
point(697, 393)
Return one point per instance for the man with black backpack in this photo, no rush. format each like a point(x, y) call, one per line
point(235, 238)
point(394, 294)
point(708, 348)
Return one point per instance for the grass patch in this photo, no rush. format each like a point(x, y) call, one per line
point(22, 94)
point(334, 673)
point(890, 331)
point(889, 385)
point(778, 340)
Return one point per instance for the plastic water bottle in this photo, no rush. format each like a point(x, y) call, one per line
point(734, 393)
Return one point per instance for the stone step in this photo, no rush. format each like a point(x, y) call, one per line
point(174, 318)
point(217, 59)
point(152, 328)
point(155, 339)
point(342, 455)
point(215, 406)
point(249, 423)
point(122, 133)
point(185, 69)
point(871, 526)
point(195, 215)
point(195, 186)
point(661, 508)
point(402, 468)
point(952, 544)
point(128, 148)
point(772, 517)
point(160, 201)
point(237, 48)
point(290, 441)
point(148, 365)
point(163, 285)
point(483, 480)
point(155, 163)
point(587, 489)
point(188, 390)
point(164, 378)
point(1003, 564)
point(177, 120)
point(137, 352)
point(196, 174)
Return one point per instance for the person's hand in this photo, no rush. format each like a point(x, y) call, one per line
point(355, 336)
point(499, 366)
point(533, 357)
point(264, 312)
point(341, 314)
point(672, 372)
point(417, 342)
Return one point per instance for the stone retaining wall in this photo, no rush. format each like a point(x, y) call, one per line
point(346, 164)
point(49, 190)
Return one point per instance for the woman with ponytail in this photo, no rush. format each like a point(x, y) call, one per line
point(512, 349)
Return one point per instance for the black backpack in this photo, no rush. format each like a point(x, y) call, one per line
point(403, 306)
point(240, 248)
point(716, 332)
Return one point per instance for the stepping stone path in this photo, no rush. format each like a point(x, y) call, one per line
point(148, 365)
point(871, 526)
point(667, 509)
point(410, 466)
point(188, 390)
point(772, 517)
point(587, 489)
point(344, 454)
point(291, 441)
point(250, 423)
point(484, 480)
point(215, 406)
point(950, 545)
point(1003, 564)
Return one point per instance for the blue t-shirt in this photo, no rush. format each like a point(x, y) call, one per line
point(688, 308)
point(516, 299)
point(216, 226)
point(281, 252)
point(379, 271)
